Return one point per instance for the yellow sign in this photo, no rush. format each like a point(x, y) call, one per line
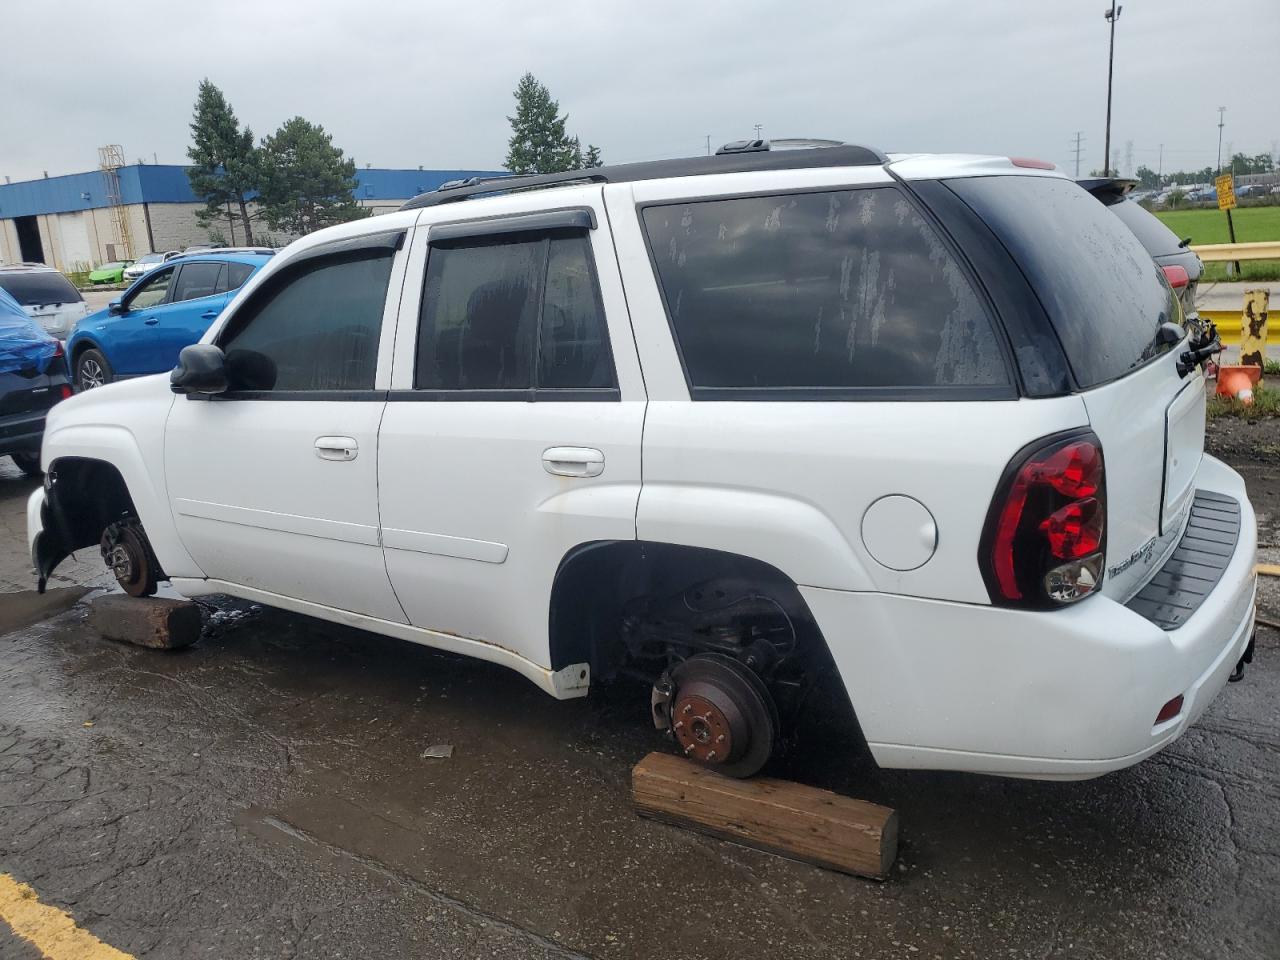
point(1226, 192)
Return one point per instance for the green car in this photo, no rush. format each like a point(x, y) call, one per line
point(109, 272)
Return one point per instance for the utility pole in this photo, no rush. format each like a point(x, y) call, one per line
point(1160, 167)
point(1128, 158)
point(758, 129)
point(1112, 16)
point(1221, 112)
point(1076, 151)
point(708, 144)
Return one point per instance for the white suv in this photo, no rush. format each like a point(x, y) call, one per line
point(733, 422)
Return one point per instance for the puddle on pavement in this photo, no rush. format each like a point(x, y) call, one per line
point(26, 608)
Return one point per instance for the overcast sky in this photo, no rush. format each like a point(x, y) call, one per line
point(401, 83)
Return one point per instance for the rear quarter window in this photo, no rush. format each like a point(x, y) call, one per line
point(828, 293)
point(1104, 295)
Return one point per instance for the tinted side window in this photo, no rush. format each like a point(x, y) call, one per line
point(234, 277)
point(313, 328)
point(196, 280)
point(1103, 293)
point(573, 342)
point(844, 289)
point(513, 314)
point(153, 290)
point(479, 313)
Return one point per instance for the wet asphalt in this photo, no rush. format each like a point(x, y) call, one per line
point(265, 794)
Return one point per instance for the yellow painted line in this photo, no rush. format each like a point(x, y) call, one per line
point(48, 929)
point(1268, 569)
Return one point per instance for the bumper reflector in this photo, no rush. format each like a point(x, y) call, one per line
point(1169, 710)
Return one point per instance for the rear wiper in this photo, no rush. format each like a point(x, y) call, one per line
point(1184, 243)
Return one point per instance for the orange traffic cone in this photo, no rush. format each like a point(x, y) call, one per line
point(1237, 381)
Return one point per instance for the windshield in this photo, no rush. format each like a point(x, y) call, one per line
point(150, 258)
point(1104, 295)
point(113, 265)
point(39, 287)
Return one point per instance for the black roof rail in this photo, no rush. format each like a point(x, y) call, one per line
point(742, 160)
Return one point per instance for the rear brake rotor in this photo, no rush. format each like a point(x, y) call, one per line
point(722, 715)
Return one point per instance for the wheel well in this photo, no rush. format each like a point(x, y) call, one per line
point(84, 497)
point(80, 348)
point(596, 582)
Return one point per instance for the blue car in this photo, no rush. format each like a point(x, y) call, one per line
point(165, 310)
point(32, 380)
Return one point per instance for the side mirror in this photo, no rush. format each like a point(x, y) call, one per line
point(115, 308)
point(201, 370)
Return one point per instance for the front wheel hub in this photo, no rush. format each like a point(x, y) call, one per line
point(721, 715)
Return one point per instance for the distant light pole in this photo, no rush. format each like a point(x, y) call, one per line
point(1112, 16)
point(1221, 112)
point(758, 129)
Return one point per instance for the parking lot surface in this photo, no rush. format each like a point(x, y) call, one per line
point(265, 794)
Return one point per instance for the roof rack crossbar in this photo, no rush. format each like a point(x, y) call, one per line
point(844, 155)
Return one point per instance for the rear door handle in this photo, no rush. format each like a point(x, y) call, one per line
point(573, 461)
point(151, 321)
point(337, 448)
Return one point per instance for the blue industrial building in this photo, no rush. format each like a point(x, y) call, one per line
point(87, 218)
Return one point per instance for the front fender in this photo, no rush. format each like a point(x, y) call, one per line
point(123, 425)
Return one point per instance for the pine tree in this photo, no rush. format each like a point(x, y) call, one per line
point(225, 169)
point(306, 182)
point(592, 158)
point(538, 142)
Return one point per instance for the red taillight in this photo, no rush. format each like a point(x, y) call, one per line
point(58, 352)
point(1169, 710)
point(1177, 276)
point(64, 391)
point(1044, 538)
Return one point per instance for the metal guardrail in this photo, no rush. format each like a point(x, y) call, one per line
point(1229, 252)
point(1228, 323)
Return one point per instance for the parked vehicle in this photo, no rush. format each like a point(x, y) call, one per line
point(154, 319)
point(146, 263)
point(32, 380)
point(46, 295)
point(922, 424)
point(1181, 266)
point(112, 272)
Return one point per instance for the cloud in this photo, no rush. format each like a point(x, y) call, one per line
point(402, 83)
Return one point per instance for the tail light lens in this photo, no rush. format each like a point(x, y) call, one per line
point(1045, 536)
point(1176, 275)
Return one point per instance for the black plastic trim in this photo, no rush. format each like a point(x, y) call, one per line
point(569, 218)
point(846, 155)
point(540, 395)
point(383, 240)
point(1176, 591)
point(316, 396)
point(1040, 360)
point(957, 394)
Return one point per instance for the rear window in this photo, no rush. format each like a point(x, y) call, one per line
point(1158, 239)
point(820, 293)
point(39, 287)
point(1103, 293)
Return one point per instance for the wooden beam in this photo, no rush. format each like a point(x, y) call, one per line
point(778, 816)
point(1268, 569)
point(156, 622)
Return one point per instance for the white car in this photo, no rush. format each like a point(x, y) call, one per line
point(146, 263)
point(731, 422)
point(46, 296)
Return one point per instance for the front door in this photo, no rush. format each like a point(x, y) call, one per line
point(133, 330)
point(195, 303)
point(274, 484)
point(512, 430)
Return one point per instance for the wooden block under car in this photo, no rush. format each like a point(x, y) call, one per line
point(156, 622)
point(791, 819)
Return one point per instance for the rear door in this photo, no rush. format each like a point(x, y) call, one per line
point(512, 431)
point(1106, 300)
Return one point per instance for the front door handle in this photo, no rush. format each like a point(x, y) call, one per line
point(209, 315)
point(151, 321)
point(337, 448)
point(573, 461)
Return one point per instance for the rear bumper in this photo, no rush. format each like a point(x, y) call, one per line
point(1066, 694)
